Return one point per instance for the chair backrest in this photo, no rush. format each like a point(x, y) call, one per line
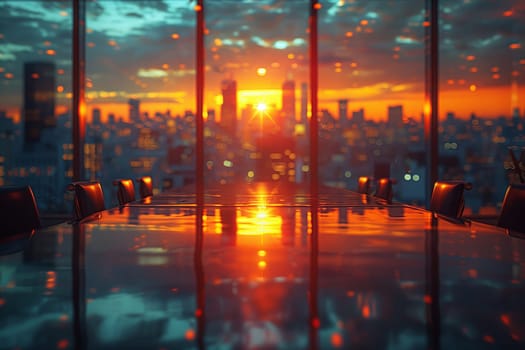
point(145, 186)
point(125, 191)
point(448, 197)
point(89, 198)
point(512, 214)
point(18, 210)
point(384, 189)
point(363, 185)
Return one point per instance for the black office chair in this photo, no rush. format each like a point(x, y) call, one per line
point(18, 210)
point(384, 189)
point(89, 198)
point(145, 186)
point(363, 185)
point(448, 197)
point(512, 214)
point(125, 191)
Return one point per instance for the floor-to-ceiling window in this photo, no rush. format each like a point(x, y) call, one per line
point(35, 98)
point(256, 91)
point(140, 92)
point(482, 60)
point(371, 94)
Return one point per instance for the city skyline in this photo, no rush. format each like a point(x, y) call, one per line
point(371, 53)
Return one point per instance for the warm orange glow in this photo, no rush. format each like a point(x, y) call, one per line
point(261, 253)
point(261, 264)
point(51, 52)
point(60, 88)
point(337, 340)
point(35, 76)
point(427, 299)
point(473, 88)
point(470, 58)
point(175, 36)
point(51, 280)
point(63, 344)
point(350, 294)
point(349, 34)
point(91, 44)
point(508, 13)
point(47, 43)
point(190, 334)
point(515, 46)
point(63, 317)
point(198, 8)
point(317, 6)
point(364, 22)
point(365, 311)
point(112, 43)
point(261, 72)
point(426, 24)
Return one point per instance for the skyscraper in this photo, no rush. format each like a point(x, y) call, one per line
point(304, 102)
point(229, 106)
point(289, 99)
point(134, 110)
point(343, 112)
point(395, 116)
point(39, 99)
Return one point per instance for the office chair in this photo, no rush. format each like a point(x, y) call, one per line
point(384, 189)
point(89, 198)
point(363, 185)
point(448, 197)
point(145, 186)
point(125, 191)
point(18, 210)
point(512, 214)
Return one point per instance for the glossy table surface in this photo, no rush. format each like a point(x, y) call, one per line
point(260, 267)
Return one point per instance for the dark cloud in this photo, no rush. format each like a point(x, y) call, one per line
point(134, 14)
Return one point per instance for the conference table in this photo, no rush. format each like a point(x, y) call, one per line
point(263, 266)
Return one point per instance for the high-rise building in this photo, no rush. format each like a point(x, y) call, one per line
point(304, 102)
point(343, 112)
point(395, 116)
point(229, 106)
point(39, 99)
point(288, 107)
point(97, 119)
point(134, 110)
point(358, 117)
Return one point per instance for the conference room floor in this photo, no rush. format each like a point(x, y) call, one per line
point(263, 267)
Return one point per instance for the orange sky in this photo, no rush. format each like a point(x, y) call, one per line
point(485, 102)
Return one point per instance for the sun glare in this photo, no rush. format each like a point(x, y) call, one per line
point(262, 107)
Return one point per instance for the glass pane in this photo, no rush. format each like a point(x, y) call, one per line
point(140, 91)
point(482, 62)
point(371, 94)
point(35, 100)
point(256, 90)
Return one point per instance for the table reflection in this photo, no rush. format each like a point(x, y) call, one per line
point(264, 276)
